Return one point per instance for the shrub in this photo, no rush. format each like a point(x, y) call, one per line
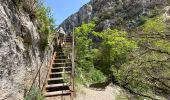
point(43, 14)
point(34, 94)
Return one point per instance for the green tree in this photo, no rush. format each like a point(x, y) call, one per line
point(114, 49)
point(84, 56)
point(148, 70)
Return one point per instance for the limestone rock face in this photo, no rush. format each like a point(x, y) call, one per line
point(20, 55)
point(111, 13)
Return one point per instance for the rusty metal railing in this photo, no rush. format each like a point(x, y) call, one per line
point(38, 82)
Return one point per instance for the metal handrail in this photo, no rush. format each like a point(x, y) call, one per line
point(38, 73)
point(70, 55)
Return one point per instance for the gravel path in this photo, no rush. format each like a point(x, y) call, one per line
point(109, 93)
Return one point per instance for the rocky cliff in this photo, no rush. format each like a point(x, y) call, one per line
point(20, 53)
point(113, 13)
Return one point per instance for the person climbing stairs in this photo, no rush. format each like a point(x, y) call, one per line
point(60, 79)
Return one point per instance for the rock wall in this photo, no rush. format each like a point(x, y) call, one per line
point(111, 13)
point(20, 53)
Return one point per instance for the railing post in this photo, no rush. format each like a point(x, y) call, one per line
point(73, 52)
point(73, 64)
point(39, 81)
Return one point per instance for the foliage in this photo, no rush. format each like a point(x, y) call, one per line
point(82, 40)
point(154, 25)
point(140, 65)
point(34, 94)
point(84, 56)
point(148, 70)
point(47, 28)
point(114, 49)
point(91, 77)
point(36, 9)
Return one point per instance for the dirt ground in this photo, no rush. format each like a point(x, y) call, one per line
point(111, 92)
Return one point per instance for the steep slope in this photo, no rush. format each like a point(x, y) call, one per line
point(123, 15)
point(112, 13)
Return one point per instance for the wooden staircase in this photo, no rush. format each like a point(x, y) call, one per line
point(60, 78)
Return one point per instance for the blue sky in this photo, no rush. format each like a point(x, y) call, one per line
point(61, 9)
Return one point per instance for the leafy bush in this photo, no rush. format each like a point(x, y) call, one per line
point(36, 9)
point(47, 28)
point(34, 94)
point(153, 25)
point(146, 74)
point(114, 49)
point(86, 73)
point(90, 77)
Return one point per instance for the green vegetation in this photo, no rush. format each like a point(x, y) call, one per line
point(114, 46)
point(86, 71)
point(140, 65)
point(94, 64)
point(148, 70)
point(37, 10)
point(34, 94)
point(46, 20)
point(154, 25)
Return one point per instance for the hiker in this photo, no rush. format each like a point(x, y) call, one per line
point(61, 38)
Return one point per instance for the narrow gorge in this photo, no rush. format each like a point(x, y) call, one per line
point(107, 50)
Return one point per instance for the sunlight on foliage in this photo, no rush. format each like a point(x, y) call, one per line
point(155, 24)
point(46, 20)
point(87, 74)
point(114, 48)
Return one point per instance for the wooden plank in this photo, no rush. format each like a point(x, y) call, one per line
point(57, 93)
point(61, 78)
point(61, 67)
point(67, 72)
point(57, 85)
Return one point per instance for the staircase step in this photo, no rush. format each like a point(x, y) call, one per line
point(61, 88)
point(61, 67)
point(55, 75)
point(55, 82)
point(63, 59)
point(60, 59)
point(57, 70)
point(57, 93)
point(67, 72)
point(60, 78)
point(57, 85)
point(58, 63)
